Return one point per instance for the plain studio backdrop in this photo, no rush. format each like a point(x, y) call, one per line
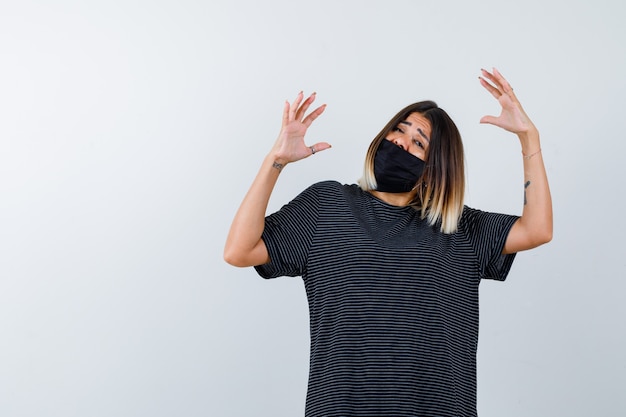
point(131, 130)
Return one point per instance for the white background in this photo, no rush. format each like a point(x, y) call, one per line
point(130, 131)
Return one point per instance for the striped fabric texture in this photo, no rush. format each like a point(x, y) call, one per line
point(393, 302)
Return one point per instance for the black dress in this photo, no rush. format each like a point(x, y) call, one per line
point(393, 301)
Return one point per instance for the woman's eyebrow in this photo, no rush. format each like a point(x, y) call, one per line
point(420, 131)
point(422, 134)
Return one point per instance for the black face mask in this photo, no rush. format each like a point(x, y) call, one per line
point(396, 170)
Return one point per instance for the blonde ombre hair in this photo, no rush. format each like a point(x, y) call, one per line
point(441, 188)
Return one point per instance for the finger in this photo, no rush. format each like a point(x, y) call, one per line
point(488, 120)
point(305, 106)
point(506, 87)
point(286, 113)
point(319, 146)
point(494, 81)
point(498, 82)
point(502, 81)
point(493, 90)
point(294, 107)
point(314, 115)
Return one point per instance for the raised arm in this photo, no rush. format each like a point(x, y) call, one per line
point(534, 227)
point(244, 246)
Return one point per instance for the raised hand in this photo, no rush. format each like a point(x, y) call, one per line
point(290, 146)
point(512, 117)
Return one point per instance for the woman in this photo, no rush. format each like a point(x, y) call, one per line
point(392, 266)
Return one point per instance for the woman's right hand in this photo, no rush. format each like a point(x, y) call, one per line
point(290, 146)
point(245, 245)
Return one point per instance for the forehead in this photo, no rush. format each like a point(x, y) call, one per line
point(416, 121)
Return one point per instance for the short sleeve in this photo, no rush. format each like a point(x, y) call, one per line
point(288, 234)
point(488, 233)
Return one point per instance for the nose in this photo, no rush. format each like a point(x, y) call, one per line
point(401, 141)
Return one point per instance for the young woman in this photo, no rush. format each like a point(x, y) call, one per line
point(392, 266)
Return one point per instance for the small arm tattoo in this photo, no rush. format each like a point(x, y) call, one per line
point(525, 187)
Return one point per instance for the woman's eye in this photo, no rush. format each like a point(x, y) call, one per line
point(419, 144)
point(397, 129)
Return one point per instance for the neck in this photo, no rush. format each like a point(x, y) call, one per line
point(395, 199)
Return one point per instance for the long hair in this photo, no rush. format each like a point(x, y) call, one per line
point(441, 188)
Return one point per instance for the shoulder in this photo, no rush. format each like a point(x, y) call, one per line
point(474, 220)
point(333, 189)
point(332, 185)
point(470, 215)
point(330, 196)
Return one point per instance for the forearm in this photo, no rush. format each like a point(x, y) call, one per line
point(537, 211)
point(534, 228)
point(244, 246)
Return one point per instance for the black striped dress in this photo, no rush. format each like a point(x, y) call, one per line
point(393, 302)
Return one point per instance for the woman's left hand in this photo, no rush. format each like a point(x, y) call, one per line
point(534, 227)
point(512, 118)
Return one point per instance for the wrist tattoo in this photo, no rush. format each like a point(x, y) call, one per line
point(525, 187)
point(277, 165)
